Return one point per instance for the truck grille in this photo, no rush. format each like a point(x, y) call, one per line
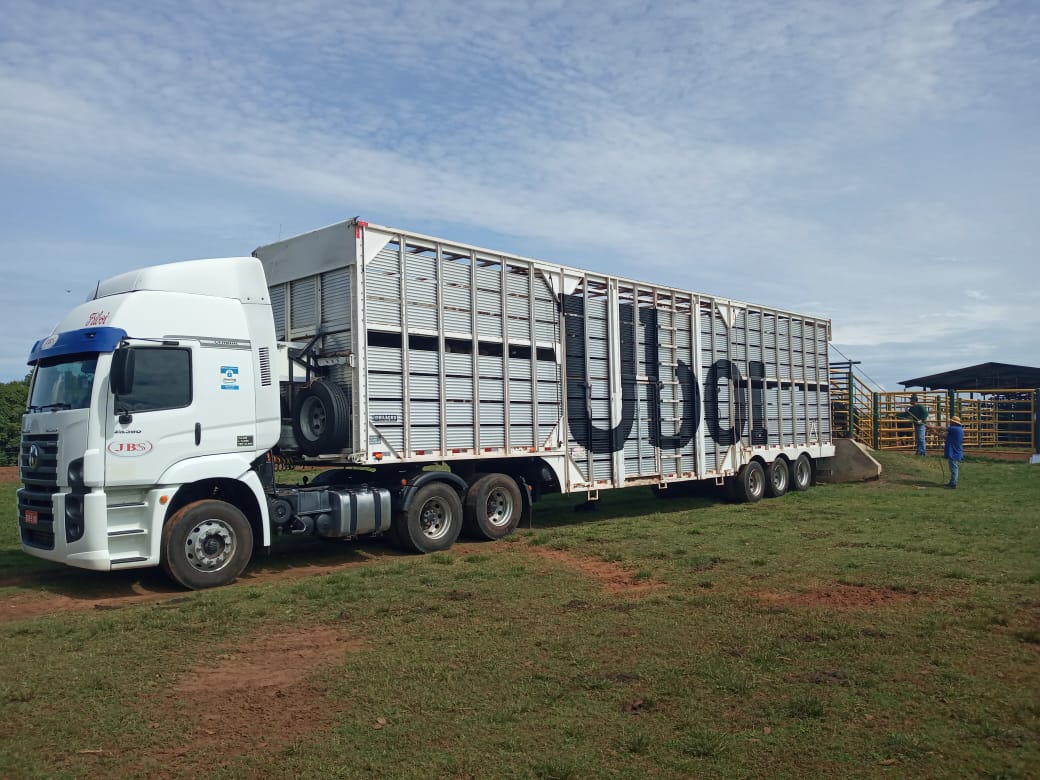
point(40, 483)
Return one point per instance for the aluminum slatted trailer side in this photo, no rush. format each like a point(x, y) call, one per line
point(561, 379)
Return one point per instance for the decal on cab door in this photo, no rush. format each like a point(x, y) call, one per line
point(129, 449)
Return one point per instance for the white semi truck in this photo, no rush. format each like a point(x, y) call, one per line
point(444, 387)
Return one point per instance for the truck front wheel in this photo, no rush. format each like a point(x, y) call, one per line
point(432, 521)
point(493, 507)
point(206, 544)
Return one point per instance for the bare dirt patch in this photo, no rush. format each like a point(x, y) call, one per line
point(8, 475)
point(612, 578)
point(836, 597)
point(253, 698)
point(62, 589)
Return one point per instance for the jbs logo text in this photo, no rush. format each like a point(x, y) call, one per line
point(130, 449)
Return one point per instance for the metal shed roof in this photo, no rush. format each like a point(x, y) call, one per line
point(990, 376)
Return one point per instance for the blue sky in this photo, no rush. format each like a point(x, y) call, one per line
point(876, 163)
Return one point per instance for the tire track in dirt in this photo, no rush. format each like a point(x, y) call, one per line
point(610, 576)
point(63, 589)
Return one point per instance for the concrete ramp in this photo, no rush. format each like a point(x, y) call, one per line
point(852, 462)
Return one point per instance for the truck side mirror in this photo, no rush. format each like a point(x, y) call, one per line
point(121, 379)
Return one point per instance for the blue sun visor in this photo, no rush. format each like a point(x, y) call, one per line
point(72, 342)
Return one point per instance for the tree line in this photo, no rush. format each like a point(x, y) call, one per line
point(12, 407)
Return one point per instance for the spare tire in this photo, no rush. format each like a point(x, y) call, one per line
point(321, 418)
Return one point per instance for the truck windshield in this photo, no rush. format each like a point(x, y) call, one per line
point(63, 383)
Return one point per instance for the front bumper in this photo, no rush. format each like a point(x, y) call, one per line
point(119, 532)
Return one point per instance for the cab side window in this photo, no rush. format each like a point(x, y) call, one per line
point(162, 380)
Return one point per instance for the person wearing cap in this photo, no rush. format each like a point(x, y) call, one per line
point(919, 414)
point(953, 451)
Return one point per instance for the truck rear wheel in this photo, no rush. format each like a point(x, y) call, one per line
point(778, 478)
point(801, 473)
point(432, 522)
point(206, 544)
point(321, 418)
point(493, 507)
point(749, 485)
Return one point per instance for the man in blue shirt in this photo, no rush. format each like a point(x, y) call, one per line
point(954, 450)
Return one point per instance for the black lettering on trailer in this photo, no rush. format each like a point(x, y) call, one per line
point(601, 441)
point(724, 369)
point(757, 375)
point(579, 413)
point(687, 381)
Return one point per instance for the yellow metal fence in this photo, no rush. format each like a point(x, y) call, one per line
point(993, 419)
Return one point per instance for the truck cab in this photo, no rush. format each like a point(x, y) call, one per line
point(155, 395)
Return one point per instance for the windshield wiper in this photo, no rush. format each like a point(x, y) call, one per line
point(55, 406)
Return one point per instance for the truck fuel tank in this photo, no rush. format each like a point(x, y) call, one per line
point(335, 512)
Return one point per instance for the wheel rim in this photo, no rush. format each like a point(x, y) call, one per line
point(312, 418)
point(499, 507)
point(210, 546)
point(802, 471)
point(779, 476)
point(756, 482)
point(435, 518)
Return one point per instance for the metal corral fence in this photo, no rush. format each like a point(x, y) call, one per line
point(895, 429)
point(852, 405)
point(993, 419)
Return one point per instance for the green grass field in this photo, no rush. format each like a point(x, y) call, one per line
point(861, 630)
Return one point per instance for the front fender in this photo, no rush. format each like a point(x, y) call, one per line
point(232, 466)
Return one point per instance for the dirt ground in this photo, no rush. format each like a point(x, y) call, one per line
point(228, 704)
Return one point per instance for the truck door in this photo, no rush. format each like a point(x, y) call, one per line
point(188, 401)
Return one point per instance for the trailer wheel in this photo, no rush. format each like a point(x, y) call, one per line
point(321, 418)
point(432, 522)
point(206, 544)
point(493, 507)
point(778, 478)
point(749, 485)
point(801, 473)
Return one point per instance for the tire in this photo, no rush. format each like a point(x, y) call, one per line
point(432, 522)
point(801, 473)
point(749, 485)
point(206, 544)
point(778, 478)
point(321, 418)
point(493, 507)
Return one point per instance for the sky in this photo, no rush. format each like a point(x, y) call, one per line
point(874, 163)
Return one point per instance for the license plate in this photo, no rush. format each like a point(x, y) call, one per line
point(31, 517)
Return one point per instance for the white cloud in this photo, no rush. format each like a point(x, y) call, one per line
point(783, 153)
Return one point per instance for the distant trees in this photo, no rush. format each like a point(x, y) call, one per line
point(12, 406)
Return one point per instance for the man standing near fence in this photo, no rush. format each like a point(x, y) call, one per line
point(953, 451)
point(918, 412)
